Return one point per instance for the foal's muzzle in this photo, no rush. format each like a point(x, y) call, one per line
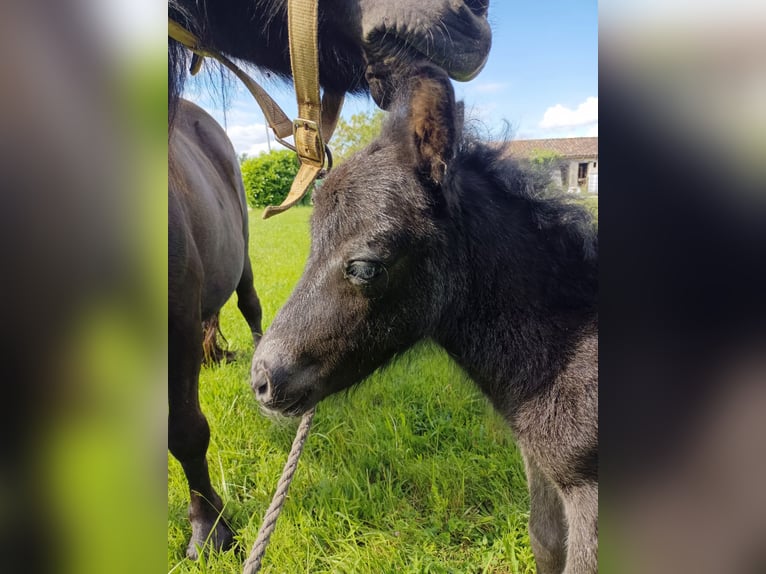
point(284, 388)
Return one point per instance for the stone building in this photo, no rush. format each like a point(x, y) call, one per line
point(578, 170)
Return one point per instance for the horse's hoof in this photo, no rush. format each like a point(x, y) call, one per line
point(219, 538)
point(192, 553)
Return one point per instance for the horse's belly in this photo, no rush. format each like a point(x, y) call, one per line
point(222, 270)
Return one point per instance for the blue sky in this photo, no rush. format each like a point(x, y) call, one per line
point(541, 77)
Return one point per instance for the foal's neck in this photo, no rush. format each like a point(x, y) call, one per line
point(505, 323)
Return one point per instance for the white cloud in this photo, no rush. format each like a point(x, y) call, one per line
point(250, 138)
point(561, 117)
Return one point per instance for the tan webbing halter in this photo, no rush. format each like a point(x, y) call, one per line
point(309, 133)
point(316, 118)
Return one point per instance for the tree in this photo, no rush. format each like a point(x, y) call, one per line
point(269, 176)
point(540, 169)
point(351, 136)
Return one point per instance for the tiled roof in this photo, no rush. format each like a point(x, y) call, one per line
point(565, 147)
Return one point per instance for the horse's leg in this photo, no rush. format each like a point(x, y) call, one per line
point(248, 302)
point(581, 508)
point(189, 434)
point(547, 528)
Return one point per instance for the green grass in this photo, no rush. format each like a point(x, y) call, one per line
point(410, 472)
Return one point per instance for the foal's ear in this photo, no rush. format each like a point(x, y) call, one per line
point(433, 120)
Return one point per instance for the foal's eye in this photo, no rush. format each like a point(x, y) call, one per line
point(362, 272)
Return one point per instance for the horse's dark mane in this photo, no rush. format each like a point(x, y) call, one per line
point(178, 57)
point(177, 66)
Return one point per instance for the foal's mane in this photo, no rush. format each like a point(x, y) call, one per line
point(560, 231)
point(494, 173)
point(483, 171)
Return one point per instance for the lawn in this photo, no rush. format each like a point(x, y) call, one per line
point(410, 472)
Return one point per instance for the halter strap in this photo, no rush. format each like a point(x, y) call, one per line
point(310, 132)
point(276, 118)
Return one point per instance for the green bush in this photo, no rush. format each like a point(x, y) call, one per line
point(268, 177)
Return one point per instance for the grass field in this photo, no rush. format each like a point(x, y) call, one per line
point(410, 472)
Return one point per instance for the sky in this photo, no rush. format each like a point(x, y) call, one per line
point(541, 79)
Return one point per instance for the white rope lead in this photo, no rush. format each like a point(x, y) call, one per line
point(253, 563)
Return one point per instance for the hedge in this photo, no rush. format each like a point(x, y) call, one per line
point(268, 177)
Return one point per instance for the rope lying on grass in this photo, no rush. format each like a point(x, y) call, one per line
point(253, 563)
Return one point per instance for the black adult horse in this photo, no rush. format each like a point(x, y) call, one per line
point(364, 45)
point(207, 261)
point(427, 234)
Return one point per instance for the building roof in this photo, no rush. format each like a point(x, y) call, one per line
point(565, 147)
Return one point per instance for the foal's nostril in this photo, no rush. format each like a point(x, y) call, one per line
point(261, 384)
point(263, 392)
